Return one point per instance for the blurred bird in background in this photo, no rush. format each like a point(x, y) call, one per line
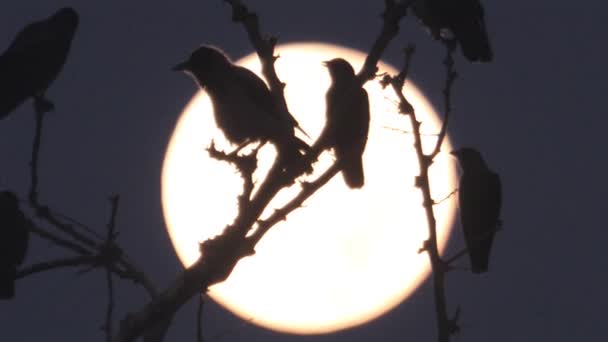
point(459, 21)
point(243, 106)
point(480, 197)
point(347, 124)
point(14, 236)
point(34, 59)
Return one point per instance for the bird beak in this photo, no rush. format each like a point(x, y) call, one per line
point(455, 153)
point(326, 63)
point(181, 66)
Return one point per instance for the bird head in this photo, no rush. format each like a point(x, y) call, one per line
point(204, 63)
point(469, 158)
point(66, 18)
point(340, 69)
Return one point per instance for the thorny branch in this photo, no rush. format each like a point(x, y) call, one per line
point(219, 255)
point(245, 164)
point(450, 77)
point(446, 326)
point(264, 48)
point(393, 12)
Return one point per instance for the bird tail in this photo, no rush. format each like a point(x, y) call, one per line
point(7, 281)
point(352, 171)
point(475, 43)
point(480, 256)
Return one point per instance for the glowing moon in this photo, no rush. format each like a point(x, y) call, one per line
point(347, 256)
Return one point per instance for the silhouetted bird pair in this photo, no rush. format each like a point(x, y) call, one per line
point(245, 111)
point(464, 22)
point(34, 59)
point(480, 197)
point(14, 237)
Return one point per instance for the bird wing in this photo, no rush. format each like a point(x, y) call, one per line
point(495, 197)
point(351, 137)
point(32, 35)
point(260, 94)
point(347, 120)
point(14, 65)
point(256, 88)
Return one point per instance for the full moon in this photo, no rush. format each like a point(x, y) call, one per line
point(347, 256)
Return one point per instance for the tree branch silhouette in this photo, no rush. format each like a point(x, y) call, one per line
point(220, 254)
point(445, 326)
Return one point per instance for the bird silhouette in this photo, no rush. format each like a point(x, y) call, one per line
point(480, 197)
point(34, 59)
point(457, 21)
point(243, 106)
point(14, 237)
point(347, 125)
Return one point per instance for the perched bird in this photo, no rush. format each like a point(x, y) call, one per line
point(464, 22)
point(243, 106)
point(34, 59)
point(347, 124)
point(480, 200)
point(14, 237)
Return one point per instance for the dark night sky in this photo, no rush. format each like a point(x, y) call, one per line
point(536, 113)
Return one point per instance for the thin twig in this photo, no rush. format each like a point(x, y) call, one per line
point(67, 244)
point(445, 326)
point(199, 320)
point(265, 50)
point(446, 197)
point(113, 252)
point(52, 265)
point(474, 243)
point(402, 131)
point(393, 12)
point(33, 195)
point(450, 77)
point(110, 307)
point(114, 200)
point(43, 211)
point(281, 214)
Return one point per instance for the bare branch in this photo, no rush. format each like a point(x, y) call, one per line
point(265, 50)
point(43, 211)
point(245, 164)
point(110, 308)
point(33, 195)
point(67, 244)
point(393, 12)
point(475, 241)
point(444, 325)
point(51, 265)
point(308, 189)
point(450, 77)
point(220, 254)
point(199, 320)
point(109, 258)
point(114, 200)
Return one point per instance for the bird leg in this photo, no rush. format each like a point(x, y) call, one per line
point(42, 104)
